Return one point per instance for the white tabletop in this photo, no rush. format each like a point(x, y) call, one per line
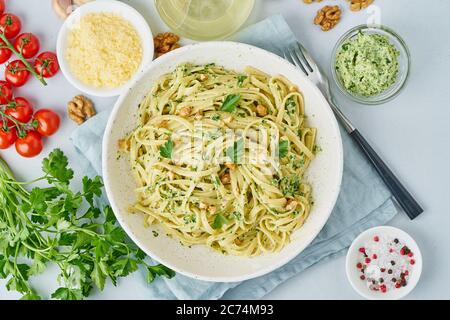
point(412, 132)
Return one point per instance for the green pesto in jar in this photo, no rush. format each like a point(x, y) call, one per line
point(367, 64)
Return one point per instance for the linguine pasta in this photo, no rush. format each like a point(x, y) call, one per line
point(219, 158)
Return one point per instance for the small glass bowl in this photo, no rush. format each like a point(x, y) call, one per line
point(404, 61)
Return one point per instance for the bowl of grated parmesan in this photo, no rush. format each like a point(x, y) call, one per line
point(103, 46)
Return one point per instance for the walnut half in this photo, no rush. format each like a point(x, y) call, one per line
point(165, 42)
point(356, 5)
point(80, 108)
point(328, 17)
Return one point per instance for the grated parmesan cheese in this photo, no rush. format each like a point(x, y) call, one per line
point(104, 50)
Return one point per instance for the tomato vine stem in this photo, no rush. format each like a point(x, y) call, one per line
point(25, 61)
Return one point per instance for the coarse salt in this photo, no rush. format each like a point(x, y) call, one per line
point(385, 263)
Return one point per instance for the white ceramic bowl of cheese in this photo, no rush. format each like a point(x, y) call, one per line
point(105, 6)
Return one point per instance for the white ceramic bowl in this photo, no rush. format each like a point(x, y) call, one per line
point(353, 273)
point(200, 262)
point(110, 6)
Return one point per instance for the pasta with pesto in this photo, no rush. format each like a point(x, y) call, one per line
point(219, 158)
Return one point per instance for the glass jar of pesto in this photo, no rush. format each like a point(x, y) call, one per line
point(370, 64)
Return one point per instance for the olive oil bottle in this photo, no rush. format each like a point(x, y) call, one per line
point(204, 19)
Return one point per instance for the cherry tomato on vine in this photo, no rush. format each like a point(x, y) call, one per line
point(6, 92)
point(20, 109)
point(27, 44)
point(7, 137)
point(10, 25)
point(30, 145)
point(2, 6)
point(5, 53)
point(16, 73)
point(46, 64)
point(48, 122)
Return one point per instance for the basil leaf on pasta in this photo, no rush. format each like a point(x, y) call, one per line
point(166, 150)
point(230, 103)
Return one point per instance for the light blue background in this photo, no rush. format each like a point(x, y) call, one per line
point(412, 132)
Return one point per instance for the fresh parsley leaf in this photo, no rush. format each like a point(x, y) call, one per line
point(109, 214)
point(56, 166)
point(37, 267)
point(219, 221)
point(37, 200)
point(17, 284)
point(240, 80)
point(92, 187)
point(124, 267)
point(230, 103)
point(139, 254)
point(158, 270)
point(30, 296)
point(283, 148)
point(67, 294)
point(236, 151)
point(166, 149)
point(3, 270)
point(98, 277)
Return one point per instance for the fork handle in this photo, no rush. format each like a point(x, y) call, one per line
point(403, 197)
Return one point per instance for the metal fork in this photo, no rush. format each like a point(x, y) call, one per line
point(298, 55)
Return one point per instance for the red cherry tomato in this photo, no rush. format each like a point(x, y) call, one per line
point(30, 145)
point(10, 25)
point(20, 109)
point(2, 6)
point(16, 73)
point(48, 122)
point(5, 53)
point(27, 44)
point(46, 64)
point(7, 137)
point(6, 92)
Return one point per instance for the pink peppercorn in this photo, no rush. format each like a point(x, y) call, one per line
point(402, 251)
point(398, 285)
point(362, 277)
point(382, 269)
point(367, 260)
point(359, 265)
point(410, 254)
point(374, 256)
point(362, 250)
point(412, 261)
point(391, 250)
point(376, 239)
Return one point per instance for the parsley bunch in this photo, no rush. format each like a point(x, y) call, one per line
point(58, 225)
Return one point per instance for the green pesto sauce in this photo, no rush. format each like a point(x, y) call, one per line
point(367, 64)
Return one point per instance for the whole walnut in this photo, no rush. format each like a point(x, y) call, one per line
point(80, 108)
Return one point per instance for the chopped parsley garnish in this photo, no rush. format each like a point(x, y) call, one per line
point(240, 80)
point(283, 148)
point(215, 117)
point(290, 105)
point(290, 185)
